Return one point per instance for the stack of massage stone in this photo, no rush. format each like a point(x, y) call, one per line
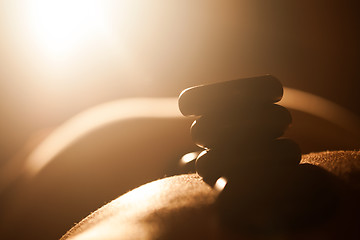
point(239, 126)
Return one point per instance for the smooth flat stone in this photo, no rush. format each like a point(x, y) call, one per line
point(214, 163)
point(248, 160)
point(264, 123)
point(210, 166)
point(199, 100)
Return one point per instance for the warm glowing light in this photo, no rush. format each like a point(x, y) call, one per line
point(220, 184)
point(110, 112)
point(321, 107)
point(95, 118)
point(202, 153)
point(59, 27)
point(189, 157)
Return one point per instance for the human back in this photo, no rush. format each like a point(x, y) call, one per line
point(184, 207)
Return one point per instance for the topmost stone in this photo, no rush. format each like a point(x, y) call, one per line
point(203, 99)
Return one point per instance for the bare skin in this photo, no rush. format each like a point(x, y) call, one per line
point(182, 207)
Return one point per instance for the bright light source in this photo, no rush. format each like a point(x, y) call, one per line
point(189, 157)
point(60, 27)
point(220, 184)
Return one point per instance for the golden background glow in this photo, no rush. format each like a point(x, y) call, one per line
point(59, 58)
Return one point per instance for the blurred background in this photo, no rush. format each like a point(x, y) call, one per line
point(58, 58)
